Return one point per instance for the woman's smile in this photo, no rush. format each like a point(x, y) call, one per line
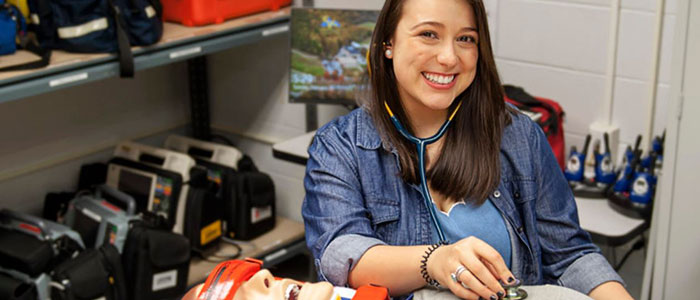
point(439, 81)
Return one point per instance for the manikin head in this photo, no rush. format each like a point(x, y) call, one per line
point(244, 279)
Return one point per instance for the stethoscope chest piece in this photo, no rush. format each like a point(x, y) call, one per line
point(514, 292)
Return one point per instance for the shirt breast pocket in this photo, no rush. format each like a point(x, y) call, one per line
point(523, 190)
point(384, 215)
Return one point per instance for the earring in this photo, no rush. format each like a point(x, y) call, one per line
point(388, 53)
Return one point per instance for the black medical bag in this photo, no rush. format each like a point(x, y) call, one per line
point(156, 262)
point(202, 213)
point(94, 274)
point(31, 246)
point(249, 206)
point(15, 289)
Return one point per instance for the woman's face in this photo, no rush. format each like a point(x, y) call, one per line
point(434, 52)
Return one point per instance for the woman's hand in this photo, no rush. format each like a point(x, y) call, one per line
point(484, 268)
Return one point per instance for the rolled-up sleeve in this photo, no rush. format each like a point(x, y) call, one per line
point(338, 230)
point(588, 272)
point(569, 257)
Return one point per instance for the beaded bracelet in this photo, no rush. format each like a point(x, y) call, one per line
point(424, 263)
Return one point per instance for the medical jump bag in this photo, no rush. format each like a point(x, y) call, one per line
point(251, 211)
point(203, 12)
point(94, 274)
point(100, 220)
point(156, 262)
point(29, 248)
point(97, 26)
point(552, 120)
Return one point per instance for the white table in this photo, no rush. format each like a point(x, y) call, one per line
point(605, 224)
point(534, 292)
point(294, 150)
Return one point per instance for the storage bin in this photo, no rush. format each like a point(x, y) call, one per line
point(203, 12)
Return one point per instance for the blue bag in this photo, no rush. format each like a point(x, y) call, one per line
point(97, 26)
point(12, 23)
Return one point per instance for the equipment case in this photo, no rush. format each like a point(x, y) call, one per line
point(203, 12)
point(29, 248)
point(100, 222)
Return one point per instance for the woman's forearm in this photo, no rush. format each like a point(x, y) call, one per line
point(610, 290)
point(394, 267)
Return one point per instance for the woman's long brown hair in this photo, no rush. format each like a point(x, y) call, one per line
point(469, 166)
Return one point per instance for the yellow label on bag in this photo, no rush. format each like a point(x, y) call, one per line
point(210, 232)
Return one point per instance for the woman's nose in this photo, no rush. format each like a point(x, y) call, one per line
point(446, 55)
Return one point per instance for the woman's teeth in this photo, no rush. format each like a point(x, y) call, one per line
point(292, 292)
point(439, 79)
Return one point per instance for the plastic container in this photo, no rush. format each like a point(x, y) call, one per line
point(204, 12)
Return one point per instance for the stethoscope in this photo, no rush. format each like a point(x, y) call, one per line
point(421, 145)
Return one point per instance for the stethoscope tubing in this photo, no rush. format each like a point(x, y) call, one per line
point(421, 145)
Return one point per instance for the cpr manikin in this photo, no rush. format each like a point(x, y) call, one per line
point(245, 280)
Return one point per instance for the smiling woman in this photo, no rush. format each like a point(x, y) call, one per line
point(436, 179)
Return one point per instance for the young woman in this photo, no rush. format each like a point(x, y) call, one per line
point(377, 207)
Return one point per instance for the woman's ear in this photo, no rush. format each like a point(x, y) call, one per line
point(388, 50)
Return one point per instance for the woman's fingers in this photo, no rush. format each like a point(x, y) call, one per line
point(494, 259)
point(480, 279)
point(460, 291)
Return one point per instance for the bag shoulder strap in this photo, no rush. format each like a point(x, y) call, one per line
point(126, 58)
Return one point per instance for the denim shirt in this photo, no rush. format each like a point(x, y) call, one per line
point(355, 200)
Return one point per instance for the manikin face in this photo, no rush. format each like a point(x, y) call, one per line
point(264, 286)
point(434, 53)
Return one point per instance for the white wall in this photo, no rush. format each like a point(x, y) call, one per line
point(558, 50)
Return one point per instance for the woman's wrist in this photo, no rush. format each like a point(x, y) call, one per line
point(428, 261)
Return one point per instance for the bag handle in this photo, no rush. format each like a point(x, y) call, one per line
point(6, 214)
point(126, 58)
point(119, 196)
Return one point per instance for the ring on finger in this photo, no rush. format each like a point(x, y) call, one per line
point(457, 272)
point(464, 285)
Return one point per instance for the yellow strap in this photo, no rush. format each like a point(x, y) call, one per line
point(455, 111)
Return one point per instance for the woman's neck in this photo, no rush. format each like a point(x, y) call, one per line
point(424, 121)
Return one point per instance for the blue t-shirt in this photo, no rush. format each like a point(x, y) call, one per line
point(484, 222)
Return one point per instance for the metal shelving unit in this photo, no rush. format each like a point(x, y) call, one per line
point(179, 43)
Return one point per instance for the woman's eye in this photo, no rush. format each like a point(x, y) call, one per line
point(467, 38)
point(429, 34)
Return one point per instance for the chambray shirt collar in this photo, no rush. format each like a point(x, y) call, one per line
point(368, 136)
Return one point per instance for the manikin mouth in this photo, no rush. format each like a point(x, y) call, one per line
point(292, 292)
point(439, 78)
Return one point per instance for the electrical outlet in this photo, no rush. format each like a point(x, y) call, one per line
point(597, 130)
